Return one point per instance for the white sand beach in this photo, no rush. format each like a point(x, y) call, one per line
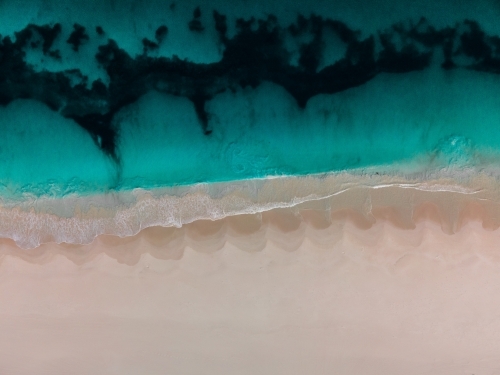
point(271, 294)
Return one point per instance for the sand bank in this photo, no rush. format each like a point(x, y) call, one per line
point(269, 293)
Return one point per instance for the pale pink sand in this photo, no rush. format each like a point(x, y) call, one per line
point(280, 298)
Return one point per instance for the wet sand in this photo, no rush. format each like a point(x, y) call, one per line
point(282, 292)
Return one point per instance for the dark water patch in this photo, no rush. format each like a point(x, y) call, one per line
point(195, 23)
point(77, 37)
point(160, 33)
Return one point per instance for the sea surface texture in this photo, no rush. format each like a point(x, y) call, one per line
point(118, 115)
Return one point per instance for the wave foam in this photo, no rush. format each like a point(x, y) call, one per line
point(79, 220)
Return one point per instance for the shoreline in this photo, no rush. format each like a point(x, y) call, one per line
point(286, 228)
point(79, 220)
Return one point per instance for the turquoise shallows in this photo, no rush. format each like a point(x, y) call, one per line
point(451, 115)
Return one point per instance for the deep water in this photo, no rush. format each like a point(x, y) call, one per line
point(114, 95)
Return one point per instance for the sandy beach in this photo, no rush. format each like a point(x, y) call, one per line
point(273, 293)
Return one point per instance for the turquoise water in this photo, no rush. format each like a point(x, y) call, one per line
point(389, 120)
point(256, 133)
point(425, 116)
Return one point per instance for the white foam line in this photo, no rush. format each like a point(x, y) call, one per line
point(311, 198)
point(434, 187)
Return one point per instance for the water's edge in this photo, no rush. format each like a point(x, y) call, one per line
point(75, 219)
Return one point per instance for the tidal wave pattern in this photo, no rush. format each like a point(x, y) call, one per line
point(199, 108)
